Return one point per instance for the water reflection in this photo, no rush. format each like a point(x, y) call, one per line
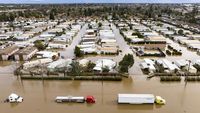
point(135, 107)
point(12, 105)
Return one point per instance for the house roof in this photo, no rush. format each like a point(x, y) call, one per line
point(9, 49)
point(26, 50)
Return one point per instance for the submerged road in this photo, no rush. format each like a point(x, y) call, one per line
point(69, 51)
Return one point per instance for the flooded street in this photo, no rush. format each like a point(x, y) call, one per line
point(39, 95)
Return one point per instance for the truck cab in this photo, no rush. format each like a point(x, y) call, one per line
point(90, 99)
point(159, 100)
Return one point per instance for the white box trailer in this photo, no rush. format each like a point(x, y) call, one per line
point(136, 99)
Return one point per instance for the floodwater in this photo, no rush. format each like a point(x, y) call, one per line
point(39, 96)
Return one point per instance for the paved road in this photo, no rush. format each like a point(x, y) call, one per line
point(135, 69)
point(69, 51)
point(121, 42)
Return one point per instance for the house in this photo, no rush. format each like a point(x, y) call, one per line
point(194, 46)
point(108, 46)
point(56, 46)
point(187, 42)
point(62, 39)
point(28, 27)
point(108, 50)
point(35, 63)
point(71, 33)
point(47, 36)
point(148, 65)
point(90, 32)
point(17, 33)
point(155, 42)
point(83, 62)
point(184, 64)
point(104, 63)
point(88, 50)
point(25, 53)
point(167, 65)
point(178, 38)
point(24, 37)
point(46, 54)
point(195, 36)
point(55, 31)
point(106, 34)
point(197, 62)
point(77, 27)
point(4, 36)
point(8, 52)
point(59, 64)
point(22, 44)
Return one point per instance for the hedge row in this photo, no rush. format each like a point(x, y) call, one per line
point(172, 78)
point(192, 78)
point(98, 78)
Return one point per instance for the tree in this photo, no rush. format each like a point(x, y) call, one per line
point(126, 63)
point(180, 32)
point(11, 17)
point(76, 68)
point(78, 52)
point(99, 24)
point(105, 69)
point(51, 16)
point(39, 45)
point(54, 57)
point(90, 66)
point(138, 34)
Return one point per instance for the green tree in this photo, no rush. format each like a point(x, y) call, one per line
point(126, 63)
point(99, 24)
point(105, 69)
point(90, 66)
point(180, 32)
point(78, 52)
point(51, 16)
point(76, 68)
point(39, 45)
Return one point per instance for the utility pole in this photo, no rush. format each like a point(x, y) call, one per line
point(188, 71)
point(102, 79)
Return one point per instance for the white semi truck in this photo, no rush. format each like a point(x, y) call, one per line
point(139, 99)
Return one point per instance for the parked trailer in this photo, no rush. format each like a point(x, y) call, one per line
point(88, 99)
point(136, 98)
point(140, 99)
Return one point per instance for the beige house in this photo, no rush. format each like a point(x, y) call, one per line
point(155, 42)
point(25, 53)
point(6, 54)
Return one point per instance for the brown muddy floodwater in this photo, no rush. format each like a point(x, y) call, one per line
point(39, 96)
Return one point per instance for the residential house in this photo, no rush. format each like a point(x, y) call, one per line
point(25, 53)
point(8, 52)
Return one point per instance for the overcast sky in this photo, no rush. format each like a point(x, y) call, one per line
point(99, 1)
